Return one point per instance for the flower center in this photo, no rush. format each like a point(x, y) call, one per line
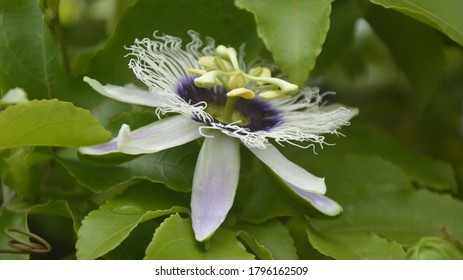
point(254, 114)
point(234, 96)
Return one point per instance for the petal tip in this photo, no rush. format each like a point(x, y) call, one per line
point(322, 203)
point(202, 229)
point(325, 205)
point(202, 236)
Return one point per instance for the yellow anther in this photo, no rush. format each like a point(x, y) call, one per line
point(208, 62)
point(198, 72)
point(207, 80)
point(241, 92)
point(287, 88)
point(272, 94)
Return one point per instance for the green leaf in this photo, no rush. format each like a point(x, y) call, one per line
point(105, 228)
point(12, 220)
point(340, 37)
point(30, 59)
point(368, 140)
point(173, 167)
point(174, 239)
point(297, 226)
point(294, 32)
point(21, 22)
point(381, 208)
point(434, 248)
point(58, 208)
point(24, 170)
point(49, 123)
point(416, 48)
point(220, 20)
point(261, 252)
point(269, 240)
point(134, 246)
point(441, 15)
point(355, 245)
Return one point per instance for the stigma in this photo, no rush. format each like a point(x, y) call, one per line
point(224, 69)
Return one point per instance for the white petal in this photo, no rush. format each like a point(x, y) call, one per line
point(14, 96)
point(103, 149)
point(214, 184)
point(132, 95)
point(322, 203)
point(161, 135)
point(164, 134)
point(288, 171)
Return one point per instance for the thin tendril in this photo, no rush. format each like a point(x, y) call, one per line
point(40, 246)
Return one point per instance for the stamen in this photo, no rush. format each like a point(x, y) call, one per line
point(208, 79)
point(241, 92)
point(229, 54)
point(272, 94)
point(262, 72)
point(223, 64)
point(286, 87)
point(236, 81)
point(198, 72)
point(208, 62)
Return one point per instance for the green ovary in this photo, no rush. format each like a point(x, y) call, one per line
point(216, 111)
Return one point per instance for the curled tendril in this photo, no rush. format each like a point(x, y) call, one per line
point(35, 245)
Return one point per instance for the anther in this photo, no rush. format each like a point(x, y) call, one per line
point(241, 92)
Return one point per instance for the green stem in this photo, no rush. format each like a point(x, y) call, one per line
point(52, 18)
point(58, 30)
point(229, 108)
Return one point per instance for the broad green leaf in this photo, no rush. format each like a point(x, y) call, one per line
point(297, 226)
point(443, 16)
point(416, 48)
point(49, 123)
point(174, 240)
point(261, 252)
point(173, 167)
point(58, 208)
point(368, 140)
point(220, 20)
point(134, 246)
point(294, 32)
point(434, 248)
point(21, 55)
point(30, 57)
point(379, 201)
point(12, 220)
point(271, 240)
point(105, 228)
point(355, 245)
point(340, 37)
point(24, 171)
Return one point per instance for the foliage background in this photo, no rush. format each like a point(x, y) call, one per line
point(398, 173)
